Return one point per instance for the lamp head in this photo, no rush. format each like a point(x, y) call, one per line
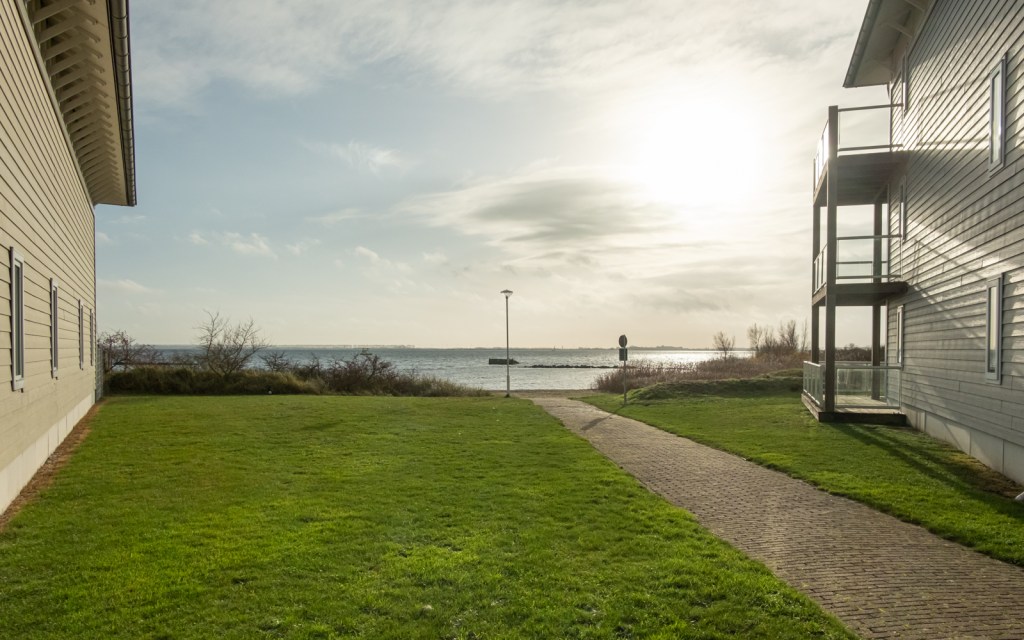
point(506, 293)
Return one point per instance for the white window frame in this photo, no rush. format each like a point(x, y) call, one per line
point(92, 337)
point(997, 116)
point(81, 334)
point(899, 336)
point(903, 212)
point(905, 81)
point(17, 320)
point(54, 327)
point(994, 329)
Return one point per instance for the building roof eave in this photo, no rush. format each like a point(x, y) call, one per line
point(887, 24)
point(82, 48)
point(121, 51)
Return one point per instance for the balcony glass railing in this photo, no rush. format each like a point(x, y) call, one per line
point(858, 259)
point(814, 381)
point(859, 130)
point(858, 385)
point(862, 386)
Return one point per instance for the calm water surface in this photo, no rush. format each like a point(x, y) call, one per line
point(469, 366)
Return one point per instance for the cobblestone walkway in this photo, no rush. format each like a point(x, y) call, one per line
point(882, 577)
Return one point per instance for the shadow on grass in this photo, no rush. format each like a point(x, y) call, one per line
point(968, 477)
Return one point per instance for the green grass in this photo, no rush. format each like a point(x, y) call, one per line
point(896, 470)
point(327, 517)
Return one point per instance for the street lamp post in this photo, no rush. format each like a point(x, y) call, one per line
point(508, 362)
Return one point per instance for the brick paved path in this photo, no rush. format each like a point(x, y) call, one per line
point(882, 577)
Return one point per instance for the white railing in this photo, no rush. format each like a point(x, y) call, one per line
point(858, 128)
point(858, 259)
point(820, 269)
point(859, 385)
point(814, 381)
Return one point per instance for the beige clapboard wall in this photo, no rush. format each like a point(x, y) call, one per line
point(965, 225)
point(46, 214)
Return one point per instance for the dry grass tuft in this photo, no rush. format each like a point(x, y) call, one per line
point(644, 373)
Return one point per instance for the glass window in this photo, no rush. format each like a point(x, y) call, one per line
point(993, 328)
point(17, 320)
point(903, 210)
point(54, 336)
point(997, 115)
point(81, 335)
point(899, 335)
point(905, 84)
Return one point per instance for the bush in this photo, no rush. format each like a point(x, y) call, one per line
point(188, 381)
point(365, 374)
point(744, 388)
point(644, 373)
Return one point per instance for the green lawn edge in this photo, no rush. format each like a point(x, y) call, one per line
point(898, 471)
point(343, 517)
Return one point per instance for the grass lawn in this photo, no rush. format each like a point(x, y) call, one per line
point(329, 517)
point(897, 470)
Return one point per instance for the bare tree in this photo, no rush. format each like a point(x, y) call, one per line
point(276, 361)
point(723, 344)
point(120, 351)
point(755, 336)
point(225, 348)
point(789, 337)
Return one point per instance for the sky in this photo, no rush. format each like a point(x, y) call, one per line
point(376, 172)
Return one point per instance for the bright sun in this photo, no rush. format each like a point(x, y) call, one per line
point(693, 151)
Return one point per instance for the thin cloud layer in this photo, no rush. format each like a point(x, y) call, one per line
point(364, 157)
point(546, 210)
point(386, 153)
point(124, 286)
point(252, 244)
point(495, 47)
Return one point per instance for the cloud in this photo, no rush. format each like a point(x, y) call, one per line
point(369, 254)
point(493, 47)
point(102, 238)
point(335, 217)
point(394, 275)
point(550, 215)
point(252, 244)
point(128, 218)
point(363, 157)
point(125, 286)
point(435, 257)
point(302, 246)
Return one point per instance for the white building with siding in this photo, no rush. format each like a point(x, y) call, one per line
point(940, 258)
point(66, 145)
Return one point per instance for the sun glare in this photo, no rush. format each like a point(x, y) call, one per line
point(681, 151)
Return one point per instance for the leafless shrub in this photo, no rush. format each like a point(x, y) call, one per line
point(121, 351)
point(226, 348)
point(723, 344)
point(781, 343)
point(276, 361)
point(644, 373)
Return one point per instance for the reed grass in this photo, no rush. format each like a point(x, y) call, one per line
point(644, 373)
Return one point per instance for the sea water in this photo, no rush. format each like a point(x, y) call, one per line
point(536, 368)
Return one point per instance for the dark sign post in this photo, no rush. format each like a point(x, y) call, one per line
point(623, 355)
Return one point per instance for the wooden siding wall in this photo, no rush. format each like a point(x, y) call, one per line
point(47, 216)
point(965, 224)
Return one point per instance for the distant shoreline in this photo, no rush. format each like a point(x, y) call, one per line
point(500, 347)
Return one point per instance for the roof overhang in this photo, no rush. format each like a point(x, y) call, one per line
point(889, 26)
point(84, 49)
